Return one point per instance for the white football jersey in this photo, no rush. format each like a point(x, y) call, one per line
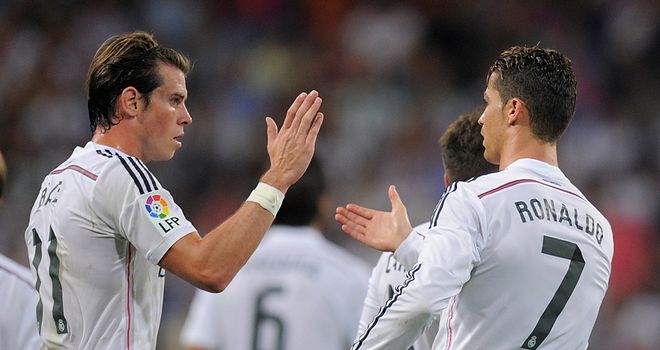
point(386, 276)
point(18, 299)
point(97, 230)
point(519, 258)
point(297, 292)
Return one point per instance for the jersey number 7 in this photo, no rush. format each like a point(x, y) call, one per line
point(561, 249)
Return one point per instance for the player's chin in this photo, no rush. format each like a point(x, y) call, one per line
point(167, 154)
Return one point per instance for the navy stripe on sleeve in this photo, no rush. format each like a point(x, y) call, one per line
point(436, 213)
point(151, 176)
point(399, 290)
point(144, 178)
point(130, 172)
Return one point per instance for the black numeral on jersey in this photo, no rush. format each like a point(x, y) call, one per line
point(54, 273)
point(561, 249)
point(36, 241)
point(263, 317)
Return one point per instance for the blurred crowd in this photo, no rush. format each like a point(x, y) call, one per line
point(392, 74)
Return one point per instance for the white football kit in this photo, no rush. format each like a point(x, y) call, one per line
point(389, 273)
point(97, 230)
point(297, 292)
point(519, 258)
point(18, 299)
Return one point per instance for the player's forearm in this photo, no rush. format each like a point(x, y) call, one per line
point(227, 248)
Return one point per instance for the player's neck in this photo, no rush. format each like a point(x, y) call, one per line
point(118, 137)
point(524, 146)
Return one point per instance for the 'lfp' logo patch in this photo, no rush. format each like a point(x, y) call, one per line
point(157, 207)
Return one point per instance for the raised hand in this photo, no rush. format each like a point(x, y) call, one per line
point(377, 229)
point(291, 148)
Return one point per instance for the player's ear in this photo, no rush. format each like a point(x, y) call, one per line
point(516, 112)
point(128, 103)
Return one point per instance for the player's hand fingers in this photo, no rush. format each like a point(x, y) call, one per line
point(308, 118)
point(314, 130)
point(304, 107)
point(361, 211)
point(356, 232)
point(293, 110)
point(343, 220)
point(271, 130)
point(350, 217)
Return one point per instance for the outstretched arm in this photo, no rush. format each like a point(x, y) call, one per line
point(377, 229)
point(212, 262)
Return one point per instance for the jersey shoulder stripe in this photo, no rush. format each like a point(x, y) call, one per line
point(152, 179)
point(399, 290)
point(436, 213)
point(75, 168)
point(523, 181)
point(131, 173)
point(137, 170)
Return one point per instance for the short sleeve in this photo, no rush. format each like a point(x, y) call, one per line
point(153, 222)
point(146, 216)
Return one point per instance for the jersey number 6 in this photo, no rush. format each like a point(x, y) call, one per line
point(262, 317)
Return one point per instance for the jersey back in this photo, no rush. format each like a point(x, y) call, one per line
point(97, 230)
point(544, 258)
point(516, 259)
point(297, 291)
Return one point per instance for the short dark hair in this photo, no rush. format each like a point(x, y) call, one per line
point(301, 204)
point(463, 150)
point(544, 80)
point(126, 60)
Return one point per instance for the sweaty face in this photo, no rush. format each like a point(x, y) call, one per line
point(493, 122)
point(165, 116)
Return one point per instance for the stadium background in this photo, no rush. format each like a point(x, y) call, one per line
point(392, 75)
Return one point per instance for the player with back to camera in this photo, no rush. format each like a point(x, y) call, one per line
point(18, 326)
point(298, 291)
point(103, 228)
point(519, 258)
point(463, 158)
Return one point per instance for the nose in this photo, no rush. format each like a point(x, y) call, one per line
point(186, 118)
point(481, 119)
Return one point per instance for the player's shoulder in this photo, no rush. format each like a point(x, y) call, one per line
point(483, 182)
point(10, 269)
point(521, 171)
point(116, 170)
point(350, 263)
point(331, 255)
point(470, 189)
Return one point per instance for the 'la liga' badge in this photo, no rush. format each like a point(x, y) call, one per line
point(157, 207)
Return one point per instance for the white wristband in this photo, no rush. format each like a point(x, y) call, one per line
point(268, 197)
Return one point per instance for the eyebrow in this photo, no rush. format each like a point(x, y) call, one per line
point(180, 95)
